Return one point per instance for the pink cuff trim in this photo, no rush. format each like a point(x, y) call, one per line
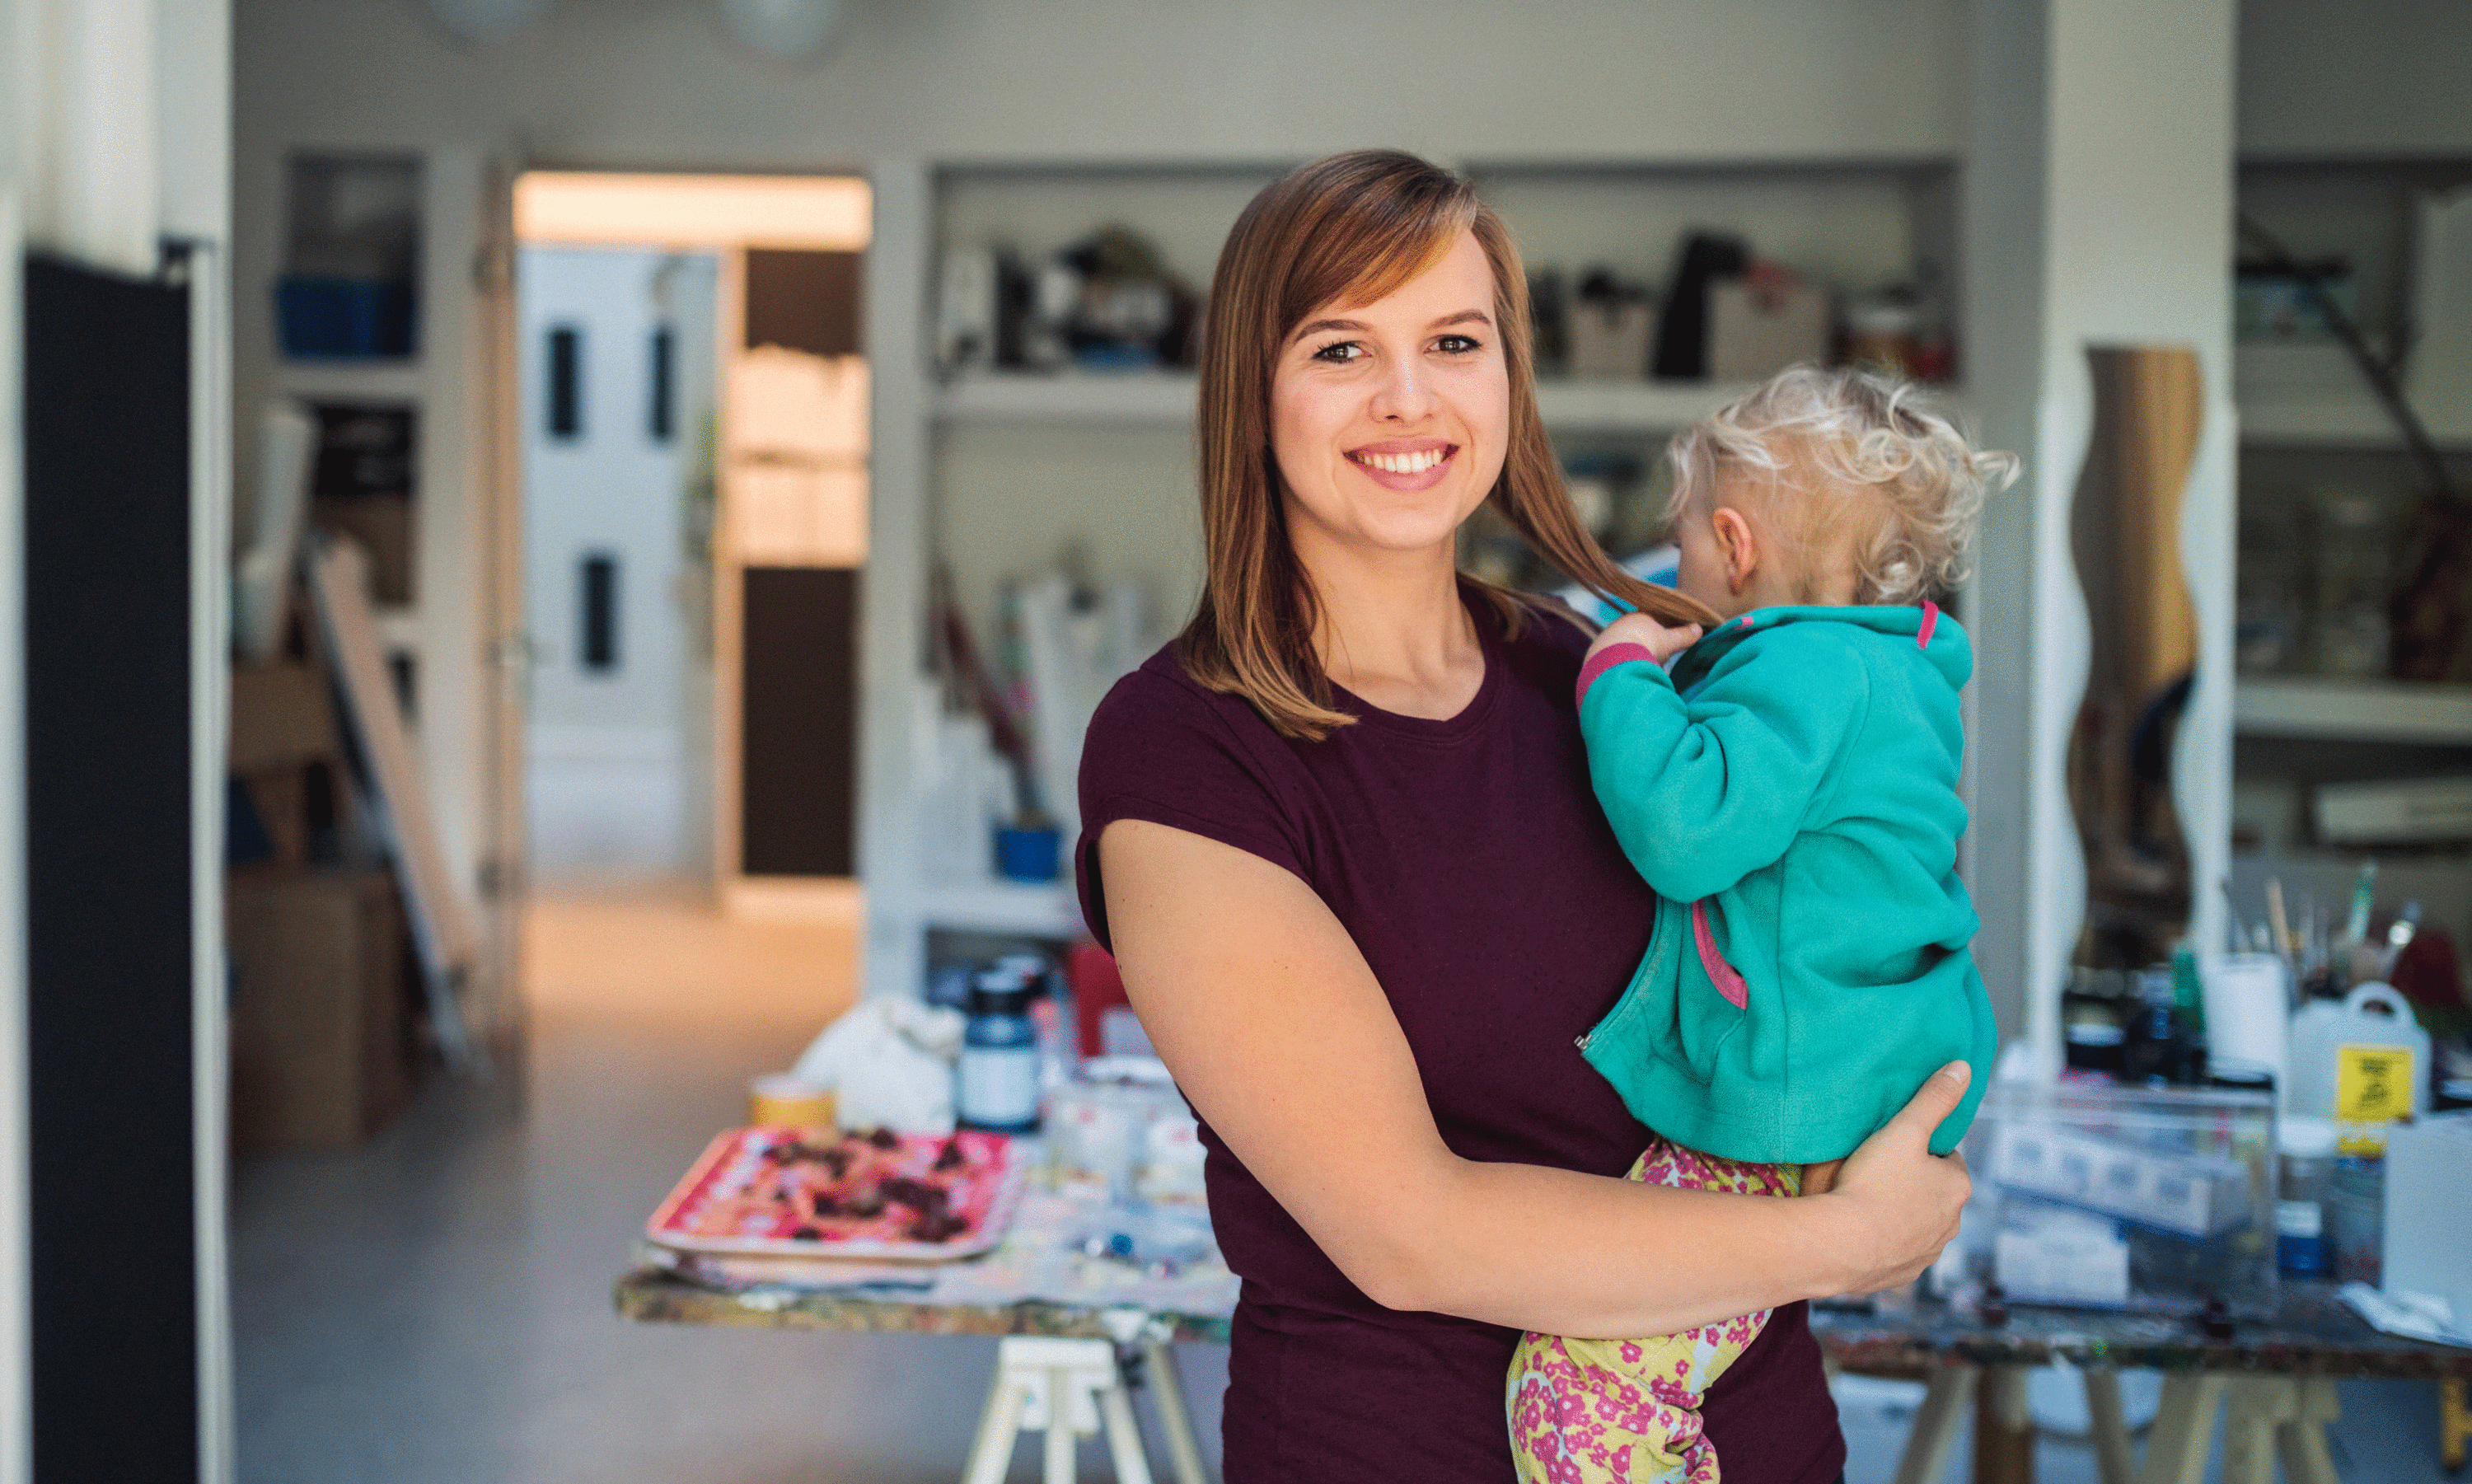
point(1605, 659)
point(1931, 621)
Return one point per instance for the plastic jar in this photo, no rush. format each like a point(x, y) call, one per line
point(998, 1084)
point(2306, 1148)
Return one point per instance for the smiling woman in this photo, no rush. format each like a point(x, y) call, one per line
point(1342, 839)
point(1384, 305)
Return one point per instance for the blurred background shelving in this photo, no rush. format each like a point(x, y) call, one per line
point(2330, 529)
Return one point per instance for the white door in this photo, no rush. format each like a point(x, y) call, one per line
point(616, 352)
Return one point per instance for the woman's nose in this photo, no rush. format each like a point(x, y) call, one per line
point(1403, 394)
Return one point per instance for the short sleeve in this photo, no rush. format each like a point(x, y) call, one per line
point(1162, 750)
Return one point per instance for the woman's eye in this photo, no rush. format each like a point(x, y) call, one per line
point(1340, 351)
point(1456, 344)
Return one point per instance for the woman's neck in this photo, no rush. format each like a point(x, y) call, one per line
point(1392, 630)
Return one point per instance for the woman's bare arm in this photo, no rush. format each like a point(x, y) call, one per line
point(1275, 1027)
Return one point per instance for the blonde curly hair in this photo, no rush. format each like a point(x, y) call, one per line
point(1901, 470)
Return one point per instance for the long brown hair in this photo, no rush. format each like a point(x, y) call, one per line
point(1348, 230)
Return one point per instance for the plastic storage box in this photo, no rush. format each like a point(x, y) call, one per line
point(2130, 1198)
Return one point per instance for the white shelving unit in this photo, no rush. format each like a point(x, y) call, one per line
point(1043, 909)
point(2353, 710)
point(353, 381)
point(2309, 422)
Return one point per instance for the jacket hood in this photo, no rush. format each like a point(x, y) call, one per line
point(1942, 640)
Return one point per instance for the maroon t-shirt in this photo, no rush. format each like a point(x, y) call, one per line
point(1471, 863)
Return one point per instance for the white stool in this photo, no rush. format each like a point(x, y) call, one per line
point(1068, 1387)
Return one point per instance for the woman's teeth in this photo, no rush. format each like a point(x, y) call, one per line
point(1404, 463)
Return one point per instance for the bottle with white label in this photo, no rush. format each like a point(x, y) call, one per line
point(998, 1076)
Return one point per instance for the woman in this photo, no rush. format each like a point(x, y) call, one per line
point(1341, 838)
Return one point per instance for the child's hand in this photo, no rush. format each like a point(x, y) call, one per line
point(1647, 633)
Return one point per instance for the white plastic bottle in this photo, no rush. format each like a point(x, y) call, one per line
point(2361, 1068)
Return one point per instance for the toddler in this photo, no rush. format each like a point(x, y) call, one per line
point(1791, 793)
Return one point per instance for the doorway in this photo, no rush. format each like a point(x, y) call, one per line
point(693, 443)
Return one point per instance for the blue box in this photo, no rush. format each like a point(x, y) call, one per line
point(1029, 854)
point(344, 319)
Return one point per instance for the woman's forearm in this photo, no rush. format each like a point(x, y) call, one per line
point(1580, 1255)
point(1265, 1010)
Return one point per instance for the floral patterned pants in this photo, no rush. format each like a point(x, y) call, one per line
point(1595, 1411)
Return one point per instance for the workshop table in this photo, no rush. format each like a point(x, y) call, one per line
point(2277, 1376)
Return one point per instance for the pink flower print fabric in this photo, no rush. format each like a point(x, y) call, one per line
point(1596, 1411)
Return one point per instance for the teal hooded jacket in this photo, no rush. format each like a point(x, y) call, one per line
point(1790, 794)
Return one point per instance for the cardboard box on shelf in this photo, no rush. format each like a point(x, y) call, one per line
point(1754, 331)
point(322, 1053)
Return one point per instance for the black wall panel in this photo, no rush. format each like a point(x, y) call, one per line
point(107, 842)
point(797, 748)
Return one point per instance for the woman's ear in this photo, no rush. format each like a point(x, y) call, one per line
point(1734, 537)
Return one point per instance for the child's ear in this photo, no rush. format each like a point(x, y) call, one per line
point(1741, 547)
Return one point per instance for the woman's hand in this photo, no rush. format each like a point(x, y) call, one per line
point(1647, 633)
point(1895, 1203)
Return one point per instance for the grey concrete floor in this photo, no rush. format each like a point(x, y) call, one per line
point(434, 1308)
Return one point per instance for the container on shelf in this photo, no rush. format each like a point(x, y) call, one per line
point(344, 319)
point(1029, 854)
point(2355, 553)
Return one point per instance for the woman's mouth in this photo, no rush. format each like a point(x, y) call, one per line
point(1405, 467)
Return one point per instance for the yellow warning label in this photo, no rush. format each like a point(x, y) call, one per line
point(2373, 1085)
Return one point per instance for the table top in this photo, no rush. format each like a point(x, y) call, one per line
point(2313, 1332)
point(650, 1295)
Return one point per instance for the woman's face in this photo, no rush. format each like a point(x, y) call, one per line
point(1390, 420)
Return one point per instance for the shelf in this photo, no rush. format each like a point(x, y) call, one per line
point(352, 381)
point(1167, 400)
point(2354, 711)
point(2312, 394)
point(1038, 909)
point(2335, 420)
point(1157, 398)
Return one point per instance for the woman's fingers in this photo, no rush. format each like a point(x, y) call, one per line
point(1904, 1202)
point(1939, 1098)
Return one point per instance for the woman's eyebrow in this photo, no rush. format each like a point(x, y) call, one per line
point(1359, 326)
point(1349, 326)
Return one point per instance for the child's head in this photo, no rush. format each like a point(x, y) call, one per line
point(1827, 488)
